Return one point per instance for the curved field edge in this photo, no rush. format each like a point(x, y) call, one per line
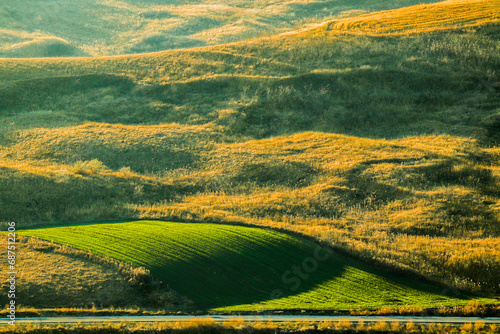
point(236, 268)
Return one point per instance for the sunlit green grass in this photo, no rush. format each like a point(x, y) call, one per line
point(223, 266)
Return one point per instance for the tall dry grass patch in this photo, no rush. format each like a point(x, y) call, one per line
point(452, 14)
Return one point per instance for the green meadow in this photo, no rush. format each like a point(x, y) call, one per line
point(237, 268)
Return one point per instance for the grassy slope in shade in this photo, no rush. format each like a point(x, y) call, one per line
point(222, 266)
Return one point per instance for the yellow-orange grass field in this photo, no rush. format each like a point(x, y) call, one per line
point(50, 276)
point(422, 18)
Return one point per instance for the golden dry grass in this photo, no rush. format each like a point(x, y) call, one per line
point(452, 14)
point(365, 200)
point(49, 276)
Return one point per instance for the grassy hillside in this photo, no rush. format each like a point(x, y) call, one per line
point(220, 266)
point(134, 26)
point(385, 146)
point(363, 195)
point(390, 86)
point(427, 84)
point(28, 45)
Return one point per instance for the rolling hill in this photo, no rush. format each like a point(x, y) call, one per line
point(98, 28)
point(378, 139)
point(222, 267)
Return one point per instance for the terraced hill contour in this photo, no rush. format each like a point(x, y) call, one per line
point(221, 266)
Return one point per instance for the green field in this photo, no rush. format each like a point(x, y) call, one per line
point(228, 267)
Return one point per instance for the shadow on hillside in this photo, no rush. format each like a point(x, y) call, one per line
point(37, 94)
point(259, 274)
point(32, 199)
point(45, 47)
point(141, 157)
point(266, 272)
point(366, 102)
point(230, 279)
point(275, 173)
point(367, 190)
